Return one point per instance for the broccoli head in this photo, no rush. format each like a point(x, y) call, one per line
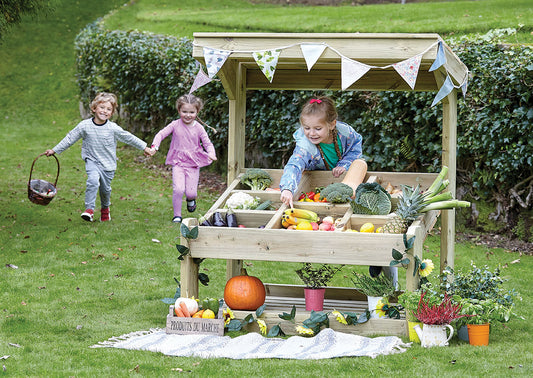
point(372, 199)
point(337, 193)
point(256, 179)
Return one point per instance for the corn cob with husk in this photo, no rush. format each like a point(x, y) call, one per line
point(414, 202)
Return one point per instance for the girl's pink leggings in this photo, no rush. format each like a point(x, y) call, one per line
point(184, 181)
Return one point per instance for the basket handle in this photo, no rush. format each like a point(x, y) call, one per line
point(34, 160)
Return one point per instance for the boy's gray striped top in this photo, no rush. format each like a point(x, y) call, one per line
point(99, 142)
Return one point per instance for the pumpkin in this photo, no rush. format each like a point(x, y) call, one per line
point(244, 292)
point(191, 304)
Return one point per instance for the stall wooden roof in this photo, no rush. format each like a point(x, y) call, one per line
point(240, 73)
point(369, 48)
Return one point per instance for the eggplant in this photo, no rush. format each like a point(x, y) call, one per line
point(204, 221)
point(231, 219)
point(218, 220)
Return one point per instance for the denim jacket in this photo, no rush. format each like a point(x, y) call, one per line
point(306, 156)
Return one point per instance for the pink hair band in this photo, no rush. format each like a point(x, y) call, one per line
point(318, 101)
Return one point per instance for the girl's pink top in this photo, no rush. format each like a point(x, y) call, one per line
point(190, 145)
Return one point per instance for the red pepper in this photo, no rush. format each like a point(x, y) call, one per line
point(302, 197)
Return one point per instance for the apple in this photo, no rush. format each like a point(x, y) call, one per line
point(328, 219)
point(314, 225)
point(325, 226)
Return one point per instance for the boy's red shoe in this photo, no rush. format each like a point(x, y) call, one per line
point(88, 215)
point(105, 216)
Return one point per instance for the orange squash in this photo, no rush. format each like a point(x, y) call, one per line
point(244, 292)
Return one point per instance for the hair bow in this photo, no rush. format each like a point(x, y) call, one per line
point(318, 101)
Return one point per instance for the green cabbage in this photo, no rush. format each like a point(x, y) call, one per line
point(371, 199)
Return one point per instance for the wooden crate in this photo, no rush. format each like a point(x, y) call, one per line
point(194, 326)
point(281, 298)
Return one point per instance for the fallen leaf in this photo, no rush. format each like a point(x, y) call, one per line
point(515, 261)
point(42, 287)
point(156, 241)
point(11, 266)
point(23, 251)
point(5, 357)
point(84, 262)
point(23, 303)
point(15, 345)
point(78, 327)
point(136, 368)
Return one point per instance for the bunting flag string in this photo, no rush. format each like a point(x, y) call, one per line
point(351, 70)
point(200, 80)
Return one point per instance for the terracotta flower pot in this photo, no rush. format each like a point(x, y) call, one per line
point(314, 299)
point(478, 334)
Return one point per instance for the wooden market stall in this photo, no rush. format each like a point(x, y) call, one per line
point(378, 57)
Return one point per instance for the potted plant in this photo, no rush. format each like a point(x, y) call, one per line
point(436, 318)
point(378, 291)
point(481, 313)
point(409, 301)
point(481, 293)
point(316, 279)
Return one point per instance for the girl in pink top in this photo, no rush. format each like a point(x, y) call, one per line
point(190, 149)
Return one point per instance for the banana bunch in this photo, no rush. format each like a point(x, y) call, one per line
point(295, 216)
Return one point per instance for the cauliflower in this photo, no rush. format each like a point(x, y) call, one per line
point(242, 201)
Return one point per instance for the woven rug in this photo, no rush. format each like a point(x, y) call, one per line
point(327, 344)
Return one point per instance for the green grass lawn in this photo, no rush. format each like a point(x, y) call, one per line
point(79, 283)
point(447, 18)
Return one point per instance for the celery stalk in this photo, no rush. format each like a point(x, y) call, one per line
point(439, 197)
point(442, 205)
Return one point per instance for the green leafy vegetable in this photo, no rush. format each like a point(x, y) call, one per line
point(371, 199)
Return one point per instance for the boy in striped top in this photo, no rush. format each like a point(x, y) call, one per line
point(99, 151)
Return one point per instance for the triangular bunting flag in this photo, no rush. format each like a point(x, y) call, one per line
point(440, 59)
point(214, 59)
point(267, 62)
point(351, 71)
point(200, 80)
point(444, 91)
point(464, 87)
point(311, 53)
point(408, 69)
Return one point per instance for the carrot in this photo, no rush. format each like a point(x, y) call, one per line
point(178, 312)
point(185, 310)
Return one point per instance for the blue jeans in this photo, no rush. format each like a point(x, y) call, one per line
point(97, 180)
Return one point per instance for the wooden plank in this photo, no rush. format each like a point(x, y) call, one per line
point(279, 245)
point(297, 291)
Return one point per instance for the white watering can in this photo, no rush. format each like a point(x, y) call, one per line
point(433, 335)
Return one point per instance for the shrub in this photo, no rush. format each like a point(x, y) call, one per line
point(401, 132)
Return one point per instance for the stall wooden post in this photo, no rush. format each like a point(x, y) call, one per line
point(449, 158)
point(188, 268)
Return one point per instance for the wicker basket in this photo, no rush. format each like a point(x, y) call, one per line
point(41, 192)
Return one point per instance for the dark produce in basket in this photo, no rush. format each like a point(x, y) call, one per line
point(218, 220)
point(204, 221)
point(231, 219)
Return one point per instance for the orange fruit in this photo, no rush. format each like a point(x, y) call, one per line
point(198, 314)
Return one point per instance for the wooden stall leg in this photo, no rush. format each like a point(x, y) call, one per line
point(233, 268)
point(413, 281)
point(189, 277)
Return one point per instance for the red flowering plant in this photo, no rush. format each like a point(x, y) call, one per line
point(437, 314)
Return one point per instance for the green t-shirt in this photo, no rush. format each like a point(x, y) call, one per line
point(330, 154)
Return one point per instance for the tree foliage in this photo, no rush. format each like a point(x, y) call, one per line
point(11, 11)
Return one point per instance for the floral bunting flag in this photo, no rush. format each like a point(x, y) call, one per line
point(200, 80)
point(267, 62)
point(311, 53)
point(408, 69)
point(351, 71)
point(440, 59)
point(444, 91)
point(214, 60)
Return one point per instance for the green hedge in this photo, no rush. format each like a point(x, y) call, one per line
point(401, 131)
